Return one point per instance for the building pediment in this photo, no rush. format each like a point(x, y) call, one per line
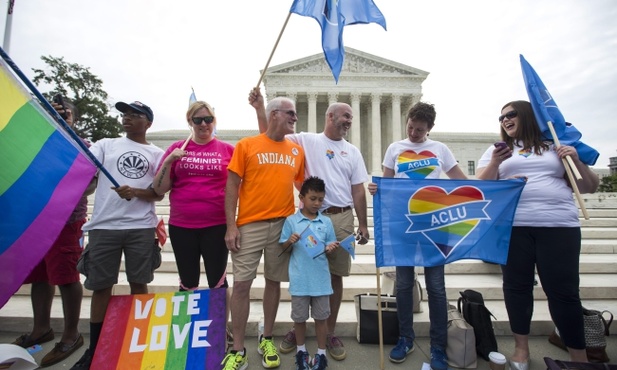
point(356, 63)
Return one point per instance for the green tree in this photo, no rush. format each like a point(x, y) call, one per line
point(85, 90)
point(608, 184)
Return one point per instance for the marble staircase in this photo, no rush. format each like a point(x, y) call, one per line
point(598, 281)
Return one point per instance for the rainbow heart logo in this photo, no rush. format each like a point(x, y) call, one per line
point(524, 152)
point(446, 219)
point(416, 165)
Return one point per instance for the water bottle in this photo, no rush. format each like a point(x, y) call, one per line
point(260, 328)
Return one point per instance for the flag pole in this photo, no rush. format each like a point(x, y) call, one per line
point(263, 73)
point(57, 117)
point(379, 319)
point(192, 99)
point(568, 163)
point(7, 28)
point(186, 142)
point(568, 158)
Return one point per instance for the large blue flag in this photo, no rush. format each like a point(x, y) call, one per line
point(434, 222)
point(545, 109)
point(332, 16)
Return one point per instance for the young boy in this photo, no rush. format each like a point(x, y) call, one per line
point(309, 278)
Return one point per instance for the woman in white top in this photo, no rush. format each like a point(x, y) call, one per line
point(546, 231)
point(419, 157)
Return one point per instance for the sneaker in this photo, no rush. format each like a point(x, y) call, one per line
point(289, 342)
point(438, 359)
point(85, 361)
point(235, 361)
point(335, 347)
point(403, 347)
point(267, 349)
point(303, 360)
point(320, 362)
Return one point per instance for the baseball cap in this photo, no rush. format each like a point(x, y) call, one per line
point(136, 106)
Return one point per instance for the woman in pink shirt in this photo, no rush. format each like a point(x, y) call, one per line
point(196, 175)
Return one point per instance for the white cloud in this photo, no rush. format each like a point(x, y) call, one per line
point(154, 51)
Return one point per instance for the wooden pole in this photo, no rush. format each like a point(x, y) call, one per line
point(263, 73)
point(186, 142)
point(380, 321)
point(571, 170)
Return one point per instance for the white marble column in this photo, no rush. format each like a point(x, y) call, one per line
point(375, 134)
point(396, 117)
point(332, 98)
point(312, 112)
point(355, 126)
point(293, 96)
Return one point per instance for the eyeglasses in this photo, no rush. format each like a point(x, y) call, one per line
point(290, 113)
point(511, 114)
point(133, 115)
point(199, 120)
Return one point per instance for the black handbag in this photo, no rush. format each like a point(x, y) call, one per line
point(596, 330)
point(368, 324)
point(569, 365)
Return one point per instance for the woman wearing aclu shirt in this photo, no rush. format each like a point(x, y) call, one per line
point(196, 175)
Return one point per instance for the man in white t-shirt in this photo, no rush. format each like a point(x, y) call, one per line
point(120, 226)
point(340, 164)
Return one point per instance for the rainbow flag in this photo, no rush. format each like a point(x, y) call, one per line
point(175, 330)
point(43, 174)
point(435, 222)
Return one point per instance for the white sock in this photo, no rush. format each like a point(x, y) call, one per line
point(321, 351)
point(302, 348)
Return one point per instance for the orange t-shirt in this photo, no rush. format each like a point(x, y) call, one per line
point(268, 170)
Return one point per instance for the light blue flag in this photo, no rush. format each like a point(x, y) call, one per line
point(434, 222)
point(192, 98)
point(545, 109)
point(311, 243)
point(349, 244)
point(333, 16)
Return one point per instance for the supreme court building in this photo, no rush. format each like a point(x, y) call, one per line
point(380, 92)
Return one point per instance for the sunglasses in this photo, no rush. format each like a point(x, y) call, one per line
point(199, 120)
point(511, 114)
point(290, 113)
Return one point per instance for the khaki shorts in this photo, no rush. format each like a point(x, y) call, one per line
point(320, 308)
point(257, 238)
point(100, 260)
point(339, 261)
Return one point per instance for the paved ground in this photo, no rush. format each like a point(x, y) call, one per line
point(363, 356)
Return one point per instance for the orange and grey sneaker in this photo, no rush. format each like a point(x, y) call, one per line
point(289, 342)
point(335, 347)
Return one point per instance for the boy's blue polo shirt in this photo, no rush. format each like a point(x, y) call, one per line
point(308, 276)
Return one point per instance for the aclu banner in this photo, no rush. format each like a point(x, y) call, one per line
point(435, 222)
point(176, 330)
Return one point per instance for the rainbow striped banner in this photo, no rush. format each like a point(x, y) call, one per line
point(435, 222)
point(176, 330)
point(42, 176)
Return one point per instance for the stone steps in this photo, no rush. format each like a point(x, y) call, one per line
point(598, 281)
point(16, 316)
point(460, 275)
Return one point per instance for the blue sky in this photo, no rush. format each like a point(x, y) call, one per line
point(154, 51)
